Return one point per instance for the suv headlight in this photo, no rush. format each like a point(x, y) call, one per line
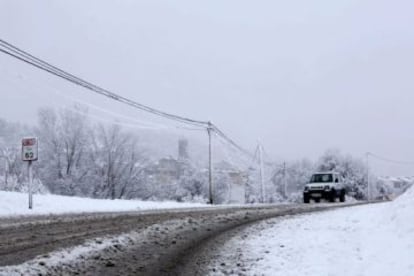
point(306, 188)
point(327, 188)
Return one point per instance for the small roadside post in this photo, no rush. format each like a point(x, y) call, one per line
point(30, 154)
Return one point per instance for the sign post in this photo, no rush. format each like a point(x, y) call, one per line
point(29, 154)
point(30, 185)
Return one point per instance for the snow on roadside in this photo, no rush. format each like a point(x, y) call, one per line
point(15, 204)
point(375, 239)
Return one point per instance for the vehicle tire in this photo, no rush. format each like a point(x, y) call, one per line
point(305, 199)
point(342, 196)
point(332, 196)
point(317, 200)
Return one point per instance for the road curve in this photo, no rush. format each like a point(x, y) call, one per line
point(168, 237)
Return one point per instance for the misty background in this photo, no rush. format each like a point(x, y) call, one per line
point(302, 77)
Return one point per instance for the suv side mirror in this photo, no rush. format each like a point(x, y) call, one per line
point(336, 180)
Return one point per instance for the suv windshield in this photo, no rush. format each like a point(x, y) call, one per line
point(321, 178)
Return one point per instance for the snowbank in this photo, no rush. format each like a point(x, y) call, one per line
point(401, 213)
point(13, 203)
point(376, 239)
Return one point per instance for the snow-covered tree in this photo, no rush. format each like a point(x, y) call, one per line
point(352, 170)
point(117, 161)
point(63, 141)
point(289, 179)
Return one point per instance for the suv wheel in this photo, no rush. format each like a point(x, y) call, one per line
point(305, 199)
point(332, 196)
point(342, 196)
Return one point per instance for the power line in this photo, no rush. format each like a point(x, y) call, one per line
point(15, 52)
point(231, 142)
point(136, 123)
point(390, 160)
point(24, 56)
point(228, 153)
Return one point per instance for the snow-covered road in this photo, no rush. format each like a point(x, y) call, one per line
point(374, 239)
point(133, 243)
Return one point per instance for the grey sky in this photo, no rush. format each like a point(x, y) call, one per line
point(301, 76)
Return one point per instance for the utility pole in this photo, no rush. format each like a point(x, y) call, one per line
point(6, 168)
point(368, 184)
point(284, 180)
point(210, 166)
point(262, 182)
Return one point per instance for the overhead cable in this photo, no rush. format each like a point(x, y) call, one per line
point(390, 160)
point(227, 152)
point(15, 52)
point(230, 141)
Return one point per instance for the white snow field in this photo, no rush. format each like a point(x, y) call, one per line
point(15, 204)
point(375, 240)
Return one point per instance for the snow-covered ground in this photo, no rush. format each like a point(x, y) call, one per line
point(12, 204)
point(367, 240)
point(375, 239)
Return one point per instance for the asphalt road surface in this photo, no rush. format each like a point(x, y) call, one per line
point(167, 240)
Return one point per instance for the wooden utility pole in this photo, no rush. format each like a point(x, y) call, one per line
point(210, 166)
point(368, 184)
point(262, 182)
point(284, 180)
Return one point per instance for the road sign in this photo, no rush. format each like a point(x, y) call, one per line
point(29, 149)
point(29, 153)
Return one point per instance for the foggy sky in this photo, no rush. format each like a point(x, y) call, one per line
point(300, 76)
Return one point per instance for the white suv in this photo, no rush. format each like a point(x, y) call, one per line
point(324, 185)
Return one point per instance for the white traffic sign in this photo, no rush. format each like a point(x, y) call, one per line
point(29, 149)
point(29, 153)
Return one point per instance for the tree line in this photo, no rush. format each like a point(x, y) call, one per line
point(79, 157)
